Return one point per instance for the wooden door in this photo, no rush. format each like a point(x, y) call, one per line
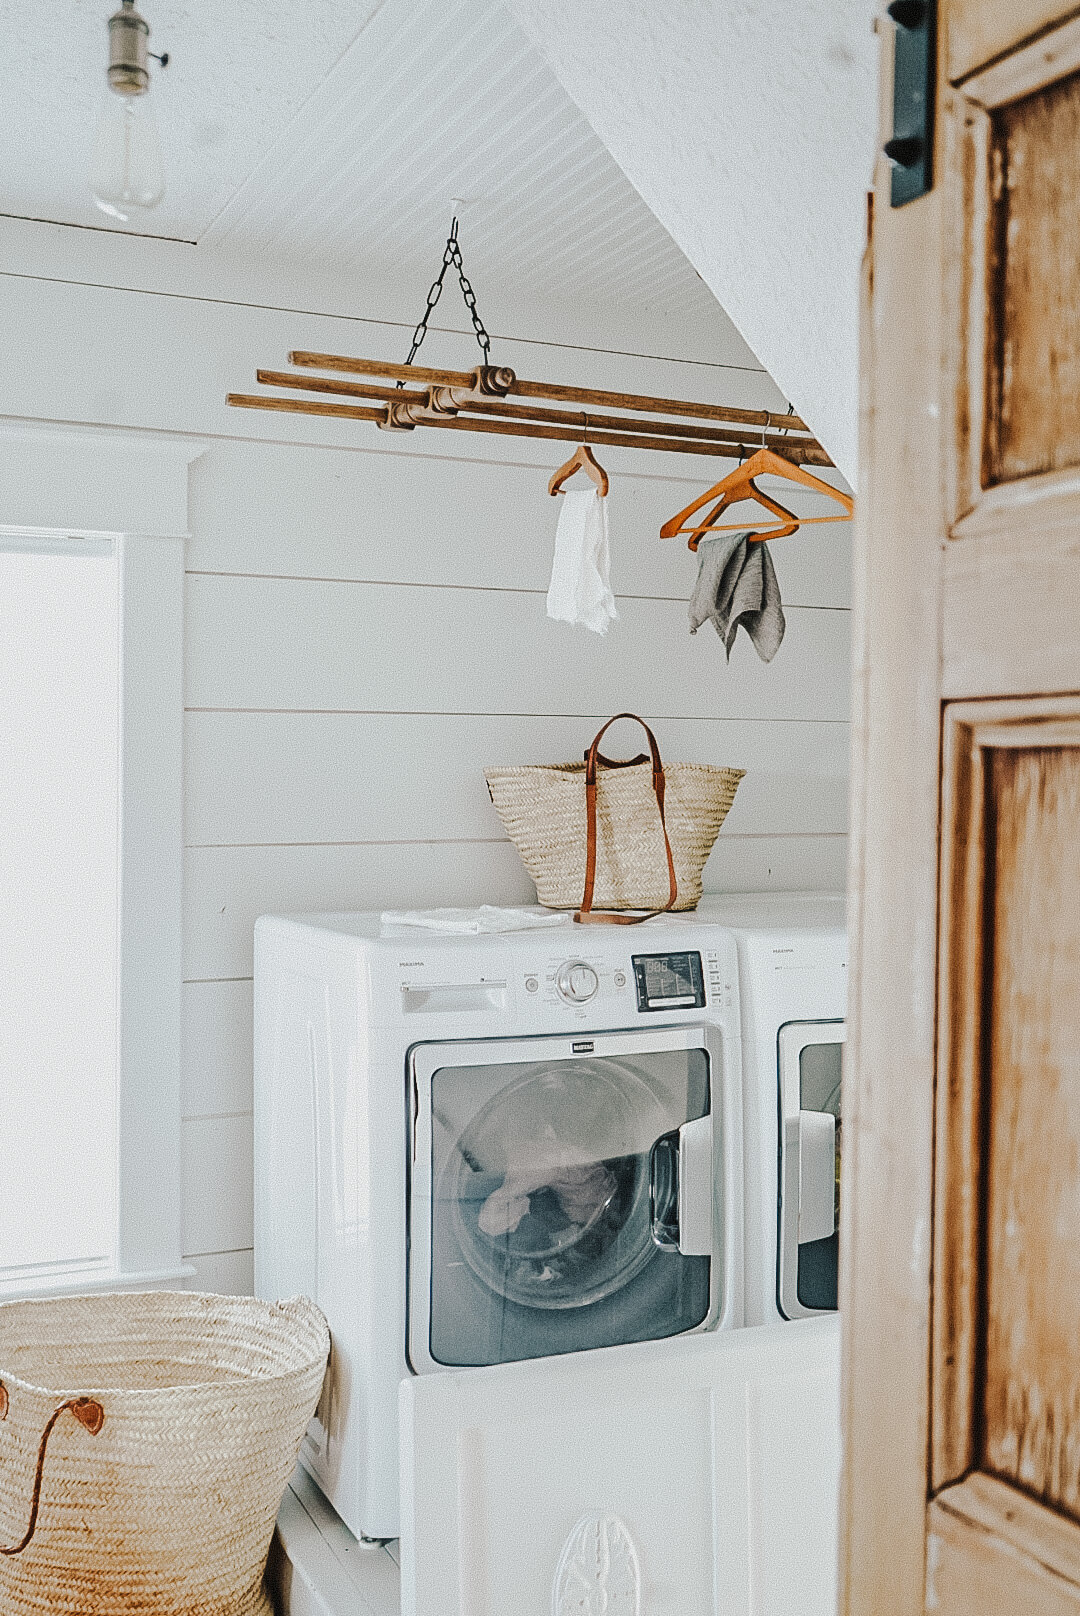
point(961, 1231)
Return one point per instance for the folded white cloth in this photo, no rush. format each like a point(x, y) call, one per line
point(474, 922)
point(580, 589)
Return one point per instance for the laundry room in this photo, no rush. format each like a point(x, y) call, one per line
point(272, 641)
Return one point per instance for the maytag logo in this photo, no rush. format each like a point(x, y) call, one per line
point(583, 1046)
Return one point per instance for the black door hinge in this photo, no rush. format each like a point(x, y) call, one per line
point(911, 149)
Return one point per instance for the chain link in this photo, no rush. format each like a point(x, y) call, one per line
point(451, 255)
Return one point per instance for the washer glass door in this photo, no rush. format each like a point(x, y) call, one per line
point(552, 1184)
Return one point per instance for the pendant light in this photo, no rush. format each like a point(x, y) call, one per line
point(127, 177)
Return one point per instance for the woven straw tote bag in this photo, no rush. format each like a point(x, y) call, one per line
point(619, 836)
point(146, 1441)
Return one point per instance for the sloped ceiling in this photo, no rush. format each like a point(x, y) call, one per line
point(749, 128)
point(337, 134)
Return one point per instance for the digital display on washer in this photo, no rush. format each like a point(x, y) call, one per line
point(669, 981)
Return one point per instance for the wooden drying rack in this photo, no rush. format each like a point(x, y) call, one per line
point(476, 401)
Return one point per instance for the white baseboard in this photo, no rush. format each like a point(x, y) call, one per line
point(317, 1567)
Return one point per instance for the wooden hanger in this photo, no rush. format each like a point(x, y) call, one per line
point(739, 485)
point(584, 460)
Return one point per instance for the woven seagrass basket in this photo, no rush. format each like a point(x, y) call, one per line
point(146, 1440)
point(543, 810)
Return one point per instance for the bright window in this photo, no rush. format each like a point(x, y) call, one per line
point(91, 746)
point(60, 802)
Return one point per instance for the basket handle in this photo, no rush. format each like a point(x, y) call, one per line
point(586, 915)
point(88, 1412)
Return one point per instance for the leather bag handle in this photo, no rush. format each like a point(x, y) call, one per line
point(586, 915)
point(89, 1414)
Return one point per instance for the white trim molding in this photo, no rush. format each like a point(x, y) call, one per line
point(151, 898)
point(77, 1281)
point(93, 479)
point(66, 490)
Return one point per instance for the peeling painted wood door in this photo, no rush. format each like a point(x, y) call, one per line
point(961, 1235)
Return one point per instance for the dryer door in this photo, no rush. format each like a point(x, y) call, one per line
point(809, 1055)
point(565, 1194)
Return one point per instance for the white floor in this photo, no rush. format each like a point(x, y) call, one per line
point(317, 1567)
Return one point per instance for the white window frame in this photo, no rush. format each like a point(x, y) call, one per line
point(60, 487)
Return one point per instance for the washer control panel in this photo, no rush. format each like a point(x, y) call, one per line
point(669, 981)
point(576, 982)
point(535, 983)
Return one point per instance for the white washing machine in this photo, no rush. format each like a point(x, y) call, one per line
point(487, 1149)
point(792, 952)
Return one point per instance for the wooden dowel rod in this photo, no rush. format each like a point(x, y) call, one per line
point(568, 395)
point(379, 367)
point(523, 412)
point(725, 451)
point(326, 384)
point(815, 456)
point(655, 406)
point(297, 406)
point(586, 422)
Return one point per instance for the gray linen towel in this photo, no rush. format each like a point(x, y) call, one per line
point(736, 584)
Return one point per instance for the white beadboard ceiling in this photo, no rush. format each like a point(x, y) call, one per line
point(317, 132)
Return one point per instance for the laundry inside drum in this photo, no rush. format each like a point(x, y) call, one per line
point(549, 1184)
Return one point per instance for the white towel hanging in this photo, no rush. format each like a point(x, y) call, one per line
point(580, 590)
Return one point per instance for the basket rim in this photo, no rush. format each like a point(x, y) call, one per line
point(626, 768)
point(230, 1384)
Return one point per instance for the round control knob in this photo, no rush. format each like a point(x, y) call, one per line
point(576, 982)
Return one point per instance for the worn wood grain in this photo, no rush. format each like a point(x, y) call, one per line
point(965, 180)
point(990, 1549)
point(886, 1197)
point(956, 843)
point(958, 1109)
point(1033, 350)
point(981, 32)
point(981, 740)
point(1031, 1393)
point(1009, 602)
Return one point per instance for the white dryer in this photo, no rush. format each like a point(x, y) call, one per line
point(792, 950)
point(487, 1149)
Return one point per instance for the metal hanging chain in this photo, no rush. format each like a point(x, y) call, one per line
point(451, 255)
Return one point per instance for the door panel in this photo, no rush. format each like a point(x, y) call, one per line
point(1006, 1369)
point(1033, 384)
point(961, 1239)
point(1031, 1390)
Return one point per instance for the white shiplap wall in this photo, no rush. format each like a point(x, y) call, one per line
point(365, 630)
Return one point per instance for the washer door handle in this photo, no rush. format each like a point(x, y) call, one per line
point(813, 1134)
point(681, 1189)
point(696, 1187)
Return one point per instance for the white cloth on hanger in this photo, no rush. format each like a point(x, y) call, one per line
point(580, 590)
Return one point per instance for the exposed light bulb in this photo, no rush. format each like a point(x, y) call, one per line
point(127, 175)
